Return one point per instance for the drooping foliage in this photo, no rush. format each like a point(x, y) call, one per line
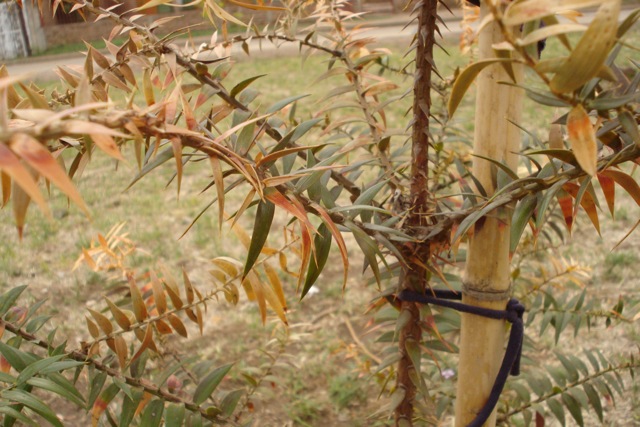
point(337, 167)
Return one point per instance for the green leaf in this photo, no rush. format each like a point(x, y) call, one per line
point(129, 407)
point(61, 366)
point(160, 158)
point(545, 98)
point(244, 84)
point(574, 408)
point(152, 415)
point(283, 103)
point(470, 220)
point(369, 248)
point(521, 215)
point(34, 368)
point(16, 358)
point(261, 227)
point(11, 413)
point(97, 382)
point(174, 415)
point(367, 196)
point(557, 409)
point(322, 243)
point(9, 298)
point(569, 366)
point(210, 383)
point(33, 403)
point(630, 126)
point(230, 402)
point(594, 400)
point(605, 103)
point(464, 80)
point(47, 384)
point(546, 200)
point(63, 382)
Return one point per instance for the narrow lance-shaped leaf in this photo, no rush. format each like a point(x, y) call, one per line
point(216, 169)
point(261, 228)
point(521, 215)
point(608, 189)
point(11, 166)
point(464, 80)
point(587, 202)
point(39, 158)
point(322, 243)
point(152, 415)
point(209, 383)
point(582, 138)
point(592, 50)
point(339, 240)
point(139, 308)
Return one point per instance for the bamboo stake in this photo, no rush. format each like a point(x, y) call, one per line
point(487, 272)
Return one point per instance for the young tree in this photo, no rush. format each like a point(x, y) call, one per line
point(409, 200)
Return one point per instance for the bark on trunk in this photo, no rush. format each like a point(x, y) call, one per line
point(487, 273)
point(414, 276)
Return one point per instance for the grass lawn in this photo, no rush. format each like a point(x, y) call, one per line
point(322, 376)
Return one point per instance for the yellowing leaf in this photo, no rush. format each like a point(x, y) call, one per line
point(528, 10)
point(464, 80)
point(582, 138)
point(592, 50)
point(121, 351)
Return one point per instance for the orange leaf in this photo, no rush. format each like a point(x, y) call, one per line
point(608, 188)
point(29, 149)
point(6, 187)
point(624, 181)
point(582, 138)
point(107, 144)
point(11, 166)
point(587, 202)
point(566, 205)
point(147, 342)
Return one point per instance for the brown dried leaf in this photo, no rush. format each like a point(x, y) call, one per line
point(139, 308)
point(188, 287)
point(103, 322)
point(177, 325)
point(162, 327)
point(121, 351)
point(158, 294)
point(93, 328)
point(147, 343)
point(119, 316)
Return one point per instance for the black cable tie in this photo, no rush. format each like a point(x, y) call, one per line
point(513, 314)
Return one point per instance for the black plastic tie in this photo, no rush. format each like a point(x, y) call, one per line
point(513, 314)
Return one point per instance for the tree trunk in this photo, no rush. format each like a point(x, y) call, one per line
point(414, 276)
point(487, 273)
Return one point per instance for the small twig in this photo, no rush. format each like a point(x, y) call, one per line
point(359, 343)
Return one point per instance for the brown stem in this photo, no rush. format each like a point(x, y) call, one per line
point(414, 276)
point(145, 385)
